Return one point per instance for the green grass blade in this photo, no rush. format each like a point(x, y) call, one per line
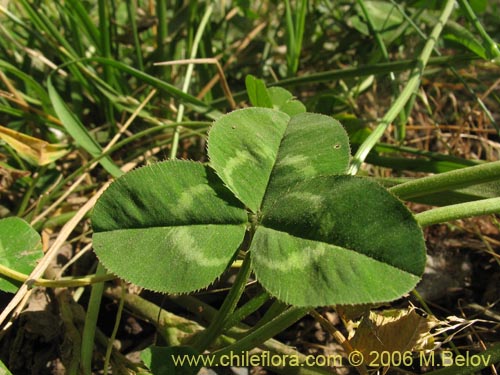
point(187, 78)
point(366, 70)
point(456, 33)
point(79, 11)
point(400, 126)
point(30, 83)
point(105, 42)
point(76, 129)
point(294, 34)
point(406, 94)
point(74, 26)
point(104, 29)
point(426, 161)
point(162, 32)
point(132, 14)
point(11, 111)
point(44, 25)
point(453, 69)
point(355, 72)
point(155, 82)
point(300, 23)
point(260, 335)
point(435, 156)
point(417, 165)
point(290, 38)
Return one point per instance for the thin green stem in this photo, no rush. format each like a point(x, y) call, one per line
point(272, 312)
point(367, 70)
point(362, 71)
point(386, 147)
point(118, 318)
point(144, 77)
point(401, 129)
point(216, 326)
point(248, 308)
point(452, 69)
point(91, 323)
point(163, 319)
point(162, 30)
point(69, 282)
point(27, 196)
point(187, 78)
point(260, 335)
point(132, 13)
point(295, 34)
point(448, 181)
point(78, 8)
point(489, 44)
point(290, 35)
point(105, 33)
point(405, 95)
point(459, 211)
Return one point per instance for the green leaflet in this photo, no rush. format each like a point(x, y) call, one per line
point(243, 146)
point(247, 146)
point(284, 101)
point(320, 237)
point(338, 240)
point(313, 145)
point(170, 226)
point(170, 259)
point(20, 249)
point(273, 97)
point(257, 92)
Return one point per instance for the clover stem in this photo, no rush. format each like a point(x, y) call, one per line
point(458, 211)
point(263, 333)
point(443, 182)
point(217, 325)
point(246, 309)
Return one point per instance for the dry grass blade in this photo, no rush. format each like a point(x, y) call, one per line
point(12, 90)
point(220, 71)
point(244, 44)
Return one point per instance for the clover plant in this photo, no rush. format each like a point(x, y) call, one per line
point(276, 187)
